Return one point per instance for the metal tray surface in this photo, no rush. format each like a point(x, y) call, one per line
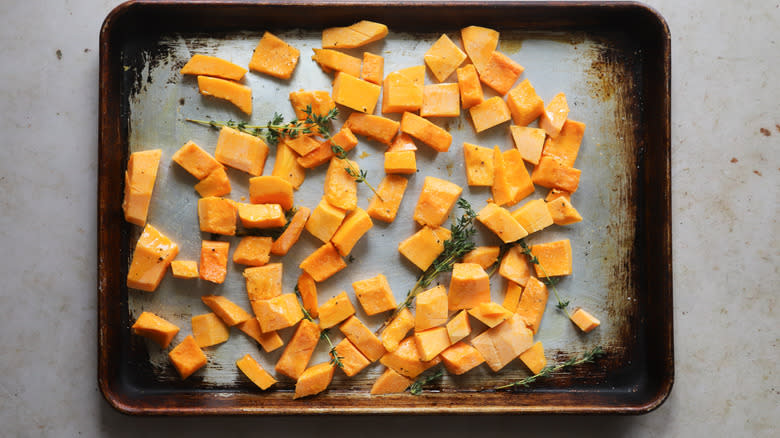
point(611, 60)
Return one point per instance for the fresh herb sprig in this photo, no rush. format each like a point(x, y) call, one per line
point(360, 176)
point(525, 249)
point(587, 357)
point(335, 359)
point(416, 388)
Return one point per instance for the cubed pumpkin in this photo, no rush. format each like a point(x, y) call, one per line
point(479, 165)
point(187, 357)
point(532, 303)
point(461, 358)
point(397, 329)
point(485, 256)
point(206, 65)
point(351, 358)
point(320, 101)
point(278, 312)
point(533, 358)
point(325, 220)
point(500, 72)
point(430, 308)
point(215, 184)
point(562, 212)
point(291, 233)
point(500, 221)
point(274, 57)
point(314, 380)
point(241, 151)
point(355, 93)
point(254, 372)
point(261, 215)
point(426, 131)
point(529, 142)
point(213, 260)
point(553, 173)
point(377, 128)
point(359, 34)
point(422, 247)
point(403, 90)
point(403, 162)
point(431, 342)
point(517, 176)
point(155, 328)
point(584, 320)
point(443, 58)
point(437, 198)
point(512, 296)
point(269, 341)
point(307, 287)
point(469, 286)
point(489, 113)
point(479, 43)
point(384, 207)
point(469, 86)
point(458, 327)
point(271, 190)
point(340, 186)
point(330, 59)
point(504, 342)
point(335, 310)
point(195, 160)
point(402, 142)
point(555, 258)
point(491, 313)
point(363, 338)
point(533, 216)
point(515, 267)
point(323, 263)
point(229, 312)
point(208, 330)
point(235, 93)
point(298, 352)
point(405, 359)
point(373, 69)
point(554, 115)
point(440, 100)
point(390, 382)
point(524, 104)
point(184, 269)
point(355, 225)
point(263, 282)
point(566, 145)
point(217, 215)
point(253, 251)
point(374, 294)
point(286, 165)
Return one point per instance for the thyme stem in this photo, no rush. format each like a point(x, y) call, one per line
point(416, 388)
point(335, 359)
point(562, 304)
point(360, 176)
point(587, 357)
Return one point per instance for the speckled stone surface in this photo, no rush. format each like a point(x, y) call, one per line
point(725, 178)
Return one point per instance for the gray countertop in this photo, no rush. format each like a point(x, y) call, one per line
point(725, 177)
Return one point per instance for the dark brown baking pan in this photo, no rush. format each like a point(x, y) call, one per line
point(618, 54)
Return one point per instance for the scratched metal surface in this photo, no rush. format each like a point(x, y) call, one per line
point(599, 90)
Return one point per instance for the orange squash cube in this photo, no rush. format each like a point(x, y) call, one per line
point(301, 144)
point(553, 173)
point(378, 128)
point(430, 308)
point(395, 331)
point(140, 176)
point(500, 72)
point(524, 104)
point(489, 113)
point(320, 101)
point(469, 286)
point(307, 287)
point(261, 215)
point(533, 216)
point(352, 359)
point(212, 66)
point(405, 360)
point(373, 69)
point(363, 338)
point(355, 93)
point(517, 176)
point(515, 267)
point(286, 165)
point(554, 115)
point(235, 93)
point(529, 142)
point(155, 328)
point(458, 327)
point(269, 341)
point(491, 314)
point(213, 260)
point(402, 142)
point(253, 251)
point(390, 382)
point(512, 296)
point(403, 90)
point(443, 58)
point(422, 247)
point(254, 372)
point(217, 215)
point(554, 258)
point(330, 59)
point(440, 100)
point(263, 283)
point(503, 192)
point(274, 57)
point(557, 193)
point(391, 190)
point(355, 225)
point(325, 220)
point(431, 342)
point(403, 162)
point(184, 269)
point(215, 184)
point(292, 233)
point(195, 160)
point(241, 151)
point(314, 380)
point(323, 263)
point(479, 165)
point(340, 186)
point(374, 294)
point(187, 357)
point(324, 151)
point(335, 310)
point(562, 212)
point(566, 145)
point(437, 198)
point(469, 86)
point(584, 320)
point(278, 312)
point(461, 358)
point(209, 330)
point(500, 221)
point(532, 303)
point(426, 131)
point(271, 190)
point(504, 342)
point(359, 34)
point(484, 256)
point(229, 312)
point(533, 358)
point(298, 352)
point(479, 43)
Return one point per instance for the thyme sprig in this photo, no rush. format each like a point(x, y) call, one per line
point(335, 359)
point(587, 357)
point(416, 388)
point(360, 176)
point(525, 249)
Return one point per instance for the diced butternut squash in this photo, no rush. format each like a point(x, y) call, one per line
point(533, 358)
point(515, 267)
point(484, 256)
point(553, 173)
point(215, 184)
point(479, 165)
point(292, 233)
point(532, 303)
point(235, 93)
point(153, 253)
point(501, 222)
point(155, 328)
point(373, 69)
point(431, 342)
point(271, 190)
point(254, 372)
point(344, 138)
point(405, 360)
point(461, 358)
point(554, 258)
point(584, 320)
point(554, 115)
point(491, 314)
point(430, 308)
point(426, 131)
point(517, 176)
point(217, 215)
point(184, 269)
point(325, 220)
point(440, 100)
point(253, 251)
point(566, 145)
point(402, 142)
point(263, 283)
point(524, 104)
point(489, 113)
point(500, 72)
point(533, 216)
point(286, 166)
point(469, 86)
point(391, 190)
point(314, 380)
point(330, 59)
point(278, 312)
point(213, 260)
point(355, 93)
point(403, 90)
point(365, 340)
point(261, 215)
point(557, 193)
point(562, 212)
point(352, 359)
point(529, 142)
point(390, 382)
point(323, 263)
point(422, 247)
point(359, 34)
point(187, 357)
point(298, 352)
point(302, 144)
point(403, 162)
point(307, 287)
point(374, 294)
point(341, 187)
point(355, 225)
point(229, 312)
point(195, 160)
point(335, 310)
point(140, 176)
point(269, 341)
point(378, 128)
point(479, 43)
point(503, 192)
point(320, 101)
point(512, 296)
point(458, 327)
point(504, 342)
point(208, 330)
point(274, 57)
point(443, 58)
point(436, 199)
point(469, 286)
point(241, 151)
point(395, 331)
point(204, 65)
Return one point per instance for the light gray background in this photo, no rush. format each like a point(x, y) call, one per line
point(725, 61)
